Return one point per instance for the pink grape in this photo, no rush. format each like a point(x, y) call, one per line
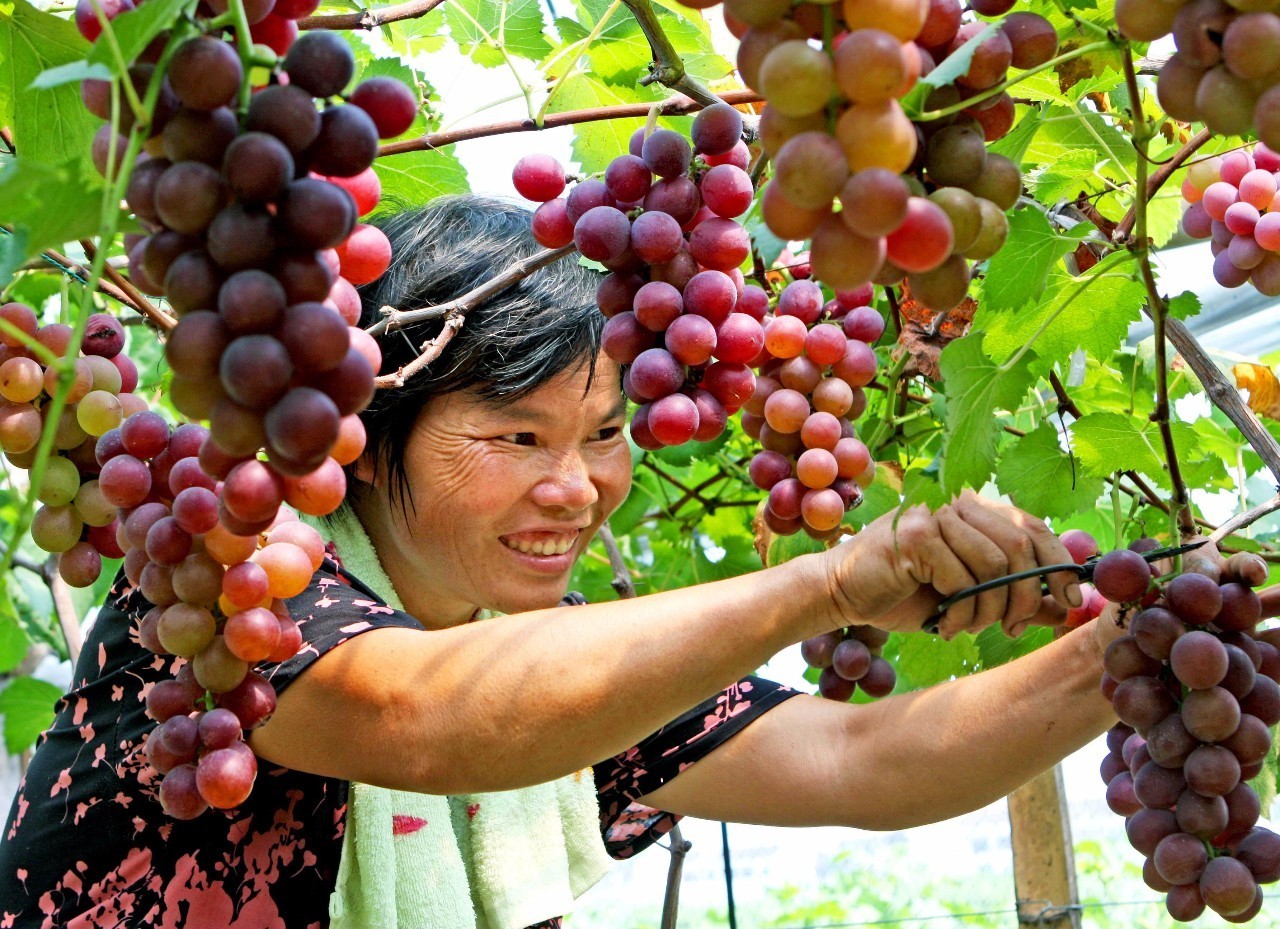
point(825, 344)
point(786, 410)
point(551, 225)
point(923, 240)
point(754, 302)
point(691, 339)
point(1226, 273)
point(821, 430)
point(785, 498)
point(712, 416)
point(864, 324)
point(719, 244)
point(1235, 165)
point(673, 419)
point(822, 508)
point(785, 337)
point(739, 338)
point(623, 338)
point(1217, 197)
point(1079, 544)
point(801, 299)
point(727, 191)
point(1267, 232)
point(768, 468)
point(655, 374)
point(1245, 252)
point(711, 294)
point(657, 305)
point(1240, 218)
point(852, 457)
point(731, 383)
point(1258, 188)
point(656, 237)
point(858, 365)
point(602, 234)
point(833, 396)
point(628, 178)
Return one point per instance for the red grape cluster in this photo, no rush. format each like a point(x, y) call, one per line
point(950, 209)
point(1233, 201)
point(663, 222)
point(850, 659)
point(814, 363)
point(1194, 685)
point(74, 520)
point(1223, 72)
point(253, 239)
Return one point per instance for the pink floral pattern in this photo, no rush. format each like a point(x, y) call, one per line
point(88, 847)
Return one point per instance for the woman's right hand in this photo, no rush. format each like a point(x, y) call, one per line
point(896, 571)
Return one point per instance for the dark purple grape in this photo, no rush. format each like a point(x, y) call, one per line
point(1158, 788)
point(852, 660)
point(242, 237)
point(1211, 715)
point(286, 112)
point(258, 166)
point(716, 129)
point(1155, 630)
point(315, 336)
point(196, 135)
point(1180, 858)
point(1227, 886)
point(1142, 702)
point(1241, 608)
point(1122, 576)
point(316, 214)
point(1194, 597)
point(140, 194)
point(302, 426)
point(195, 345)
point(205, 73)
point(1146, 828)
point(1212, 770)
point(1169, 743)
point(251, 301)
point(1263, 701)
point(347, 143)
point(667, 153)
point(305, 276)
point(1198, 659)
point(192, 283)
point(1259, 851)
point(321, 63)
point(255, 371)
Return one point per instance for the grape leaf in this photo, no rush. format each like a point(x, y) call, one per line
point(1266, 780)
point(74, 72)
point(925, 660)
point(1014, 145)
point(1184, 306)
point(1063, 130)
point(1018, 271)
point(950, 68)
point(595, 144)
point(1092, 311)
point(49, 124)
point(52, 204)
point(1109, 442)
point(620, 52)
point(1038, 475)
point(14, 643)
point(995, 648)
point(135, 29)
point(762, 237)
point(414, 178)
point(27, 704)
point(976, 390)
point(483, 29)
point(1065, 178)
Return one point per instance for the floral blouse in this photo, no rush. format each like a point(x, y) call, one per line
point(87, 844)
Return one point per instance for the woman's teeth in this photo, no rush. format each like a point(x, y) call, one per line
point(550, 547)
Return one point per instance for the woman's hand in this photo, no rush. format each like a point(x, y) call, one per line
point(896, 571)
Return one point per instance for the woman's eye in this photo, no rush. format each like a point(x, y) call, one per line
point(607, 433)
point(519, 438)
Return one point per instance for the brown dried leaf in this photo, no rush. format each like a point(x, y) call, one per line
point(1263, 387)
point(925, 333)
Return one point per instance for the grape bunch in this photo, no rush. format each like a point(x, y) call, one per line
point(253, 238)
point(1223, 73)
point(814, 363)
point(850, 659)
point(1194, 685)
point(949, 208)
point(663, 221)
point(74, 520)
point(1232, 200)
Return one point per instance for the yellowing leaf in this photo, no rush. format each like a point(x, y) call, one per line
point(1263, 387)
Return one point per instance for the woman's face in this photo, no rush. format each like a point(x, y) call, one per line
point(505, 497)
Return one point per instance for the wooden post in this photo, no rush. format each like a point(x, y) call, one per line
point(1044, 866)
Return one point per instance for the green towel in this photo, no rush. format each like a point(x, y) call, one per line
point(504, 860)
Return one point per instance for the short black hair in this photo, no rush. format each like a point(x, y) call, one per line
point(517, 341)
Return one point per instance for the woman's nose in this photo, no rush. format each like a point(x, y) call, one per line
point(567, 484)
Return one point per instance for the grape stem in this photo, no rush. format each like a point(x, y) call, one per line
point(621, 582)
point(1248, 518)
point(667, 67)
point(393, 318)
point(672, 106)
point(65, 607)
point(583, 46)
point(1183, 522)
point(109, 36)
point(373, 18)
point(969, 102)
point(244, 43)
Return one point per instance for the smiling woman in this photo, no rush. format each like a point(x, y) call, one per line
point(428, 772)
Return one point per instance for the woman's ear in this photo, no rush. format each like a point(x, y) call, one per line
point(366, 469)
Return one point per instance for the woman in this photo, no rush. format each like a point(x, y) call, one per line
point(485, 479)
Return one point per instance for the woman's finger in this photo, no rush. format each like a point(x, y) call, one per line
point(1049, 612)
point(1063, 585)
point(1248, 568)
point(1024, 595)
point(1270, 601)
point(930, 560)
point(985, 561)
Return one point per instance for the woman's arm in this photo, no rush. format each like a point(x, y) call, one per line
point(905, 760)
point(528, 698)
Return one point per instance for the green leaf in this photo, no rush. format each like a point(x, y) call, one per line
point(1184, 306)
point(1092, 311)
point(1064, 130)
point(484, 29)
point(413, 178)
point(49, 124)
point(1065, 178)
point(1018, 271)
point(27, 705)
point(1110, 442)
point(976, 391)
point(996, 648)
point(1014, 145)
point(14, 643)
point(1265, 781)
point(925, 660)
point(51, 204)
point(595, 144)
point(1037, 474)
point(782, 548)
point(766, 243)
point(135, 30)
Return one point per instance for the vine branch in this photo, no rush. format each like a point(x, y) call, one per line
point(133, 297)
point(621, 583)
point(667, 67)
point(65, 608)
point(373, 18)
point(430, 351)
point(1157, 308)
point(1158, 179)
point(1248, 518)
point(393, 319)
point(679, 105)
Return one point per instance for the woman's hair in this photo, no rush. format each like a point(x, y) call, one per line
point(508, 347)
